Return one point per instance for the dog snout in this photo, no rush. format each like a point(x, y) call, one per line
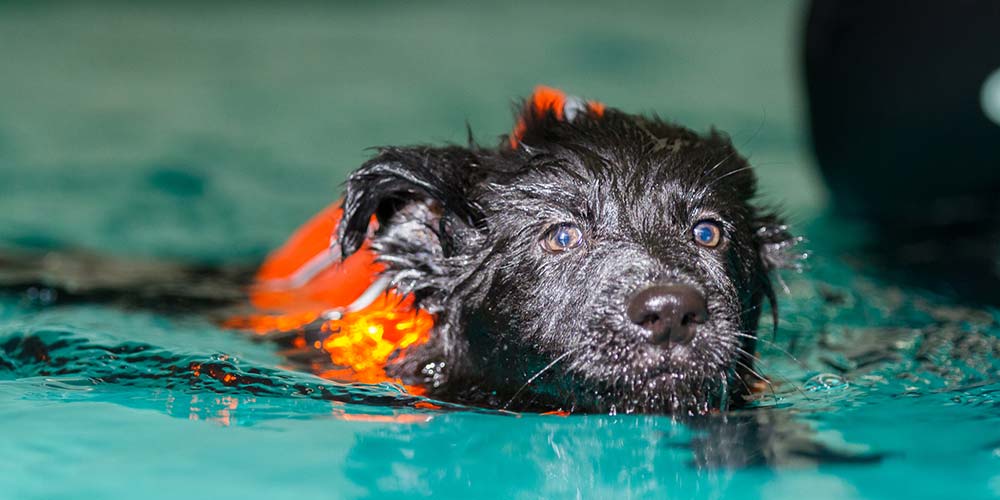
point(670, 312)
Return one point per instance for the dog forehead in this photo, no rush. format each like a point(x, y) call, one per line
point(631, 148)
point(621, 169)
point(620, 179)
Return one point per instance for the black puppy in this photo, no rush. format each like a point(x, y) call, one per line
point(596, 261)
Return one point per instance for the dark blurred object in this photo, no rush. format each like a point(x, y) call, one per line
point(70, 276)
point(901, 95)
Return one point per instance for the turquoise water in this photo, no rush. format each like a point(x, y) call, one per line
point(207, 133)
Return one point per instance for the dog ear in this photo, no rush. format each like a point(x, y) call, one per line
point(548, 106)
point(776, 248)
point(396, 176)
point(776, 244)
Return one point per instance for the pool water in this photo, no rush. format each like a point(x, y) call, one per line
point(207, 133)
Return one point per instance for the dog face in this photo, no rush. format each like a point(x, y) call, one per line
point(604, 263)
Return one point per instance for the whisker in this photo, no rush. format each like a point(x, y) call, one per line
point(752, 371)
point(752, 309)
point(538, 374)
point(783, 378)
point(717, 165)
point(760, 377)
point(739, 376)
point(727, 174)
point(774, 345)
point(760, 126)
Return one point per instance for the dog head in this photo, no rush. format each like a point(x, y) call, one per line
point(595, 261)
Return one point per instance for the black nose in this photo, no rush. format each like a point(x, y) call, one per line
point(669, 312)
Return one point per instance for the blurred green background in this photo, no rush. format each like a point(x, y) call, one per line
point(210, 130)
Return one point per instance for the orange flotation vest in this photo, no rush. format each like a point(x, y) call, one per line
point(305, 283)
point(364, 322)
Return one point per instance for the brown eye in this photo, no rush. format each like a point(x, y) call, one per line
point(562, 237)
point(707, 234)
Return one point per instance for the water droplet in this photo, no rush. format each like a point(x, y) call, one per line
point(826, 382)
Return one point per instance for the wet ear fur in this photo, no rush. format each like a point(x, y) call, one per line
point(776, 248)
point(396, 177)
point(776, 244)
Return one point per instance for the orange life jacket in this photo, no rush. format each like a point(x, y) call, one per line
point(306, 283)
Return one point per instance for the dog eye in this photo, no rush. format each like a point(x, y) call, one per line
point(562, 237)
point(707, 234)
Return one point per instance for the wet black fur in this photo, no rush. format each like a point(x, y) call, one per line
point(460, 229)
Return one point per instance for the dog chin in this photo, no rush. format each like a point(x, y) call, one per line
point(656, 389)
point(649, 402)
